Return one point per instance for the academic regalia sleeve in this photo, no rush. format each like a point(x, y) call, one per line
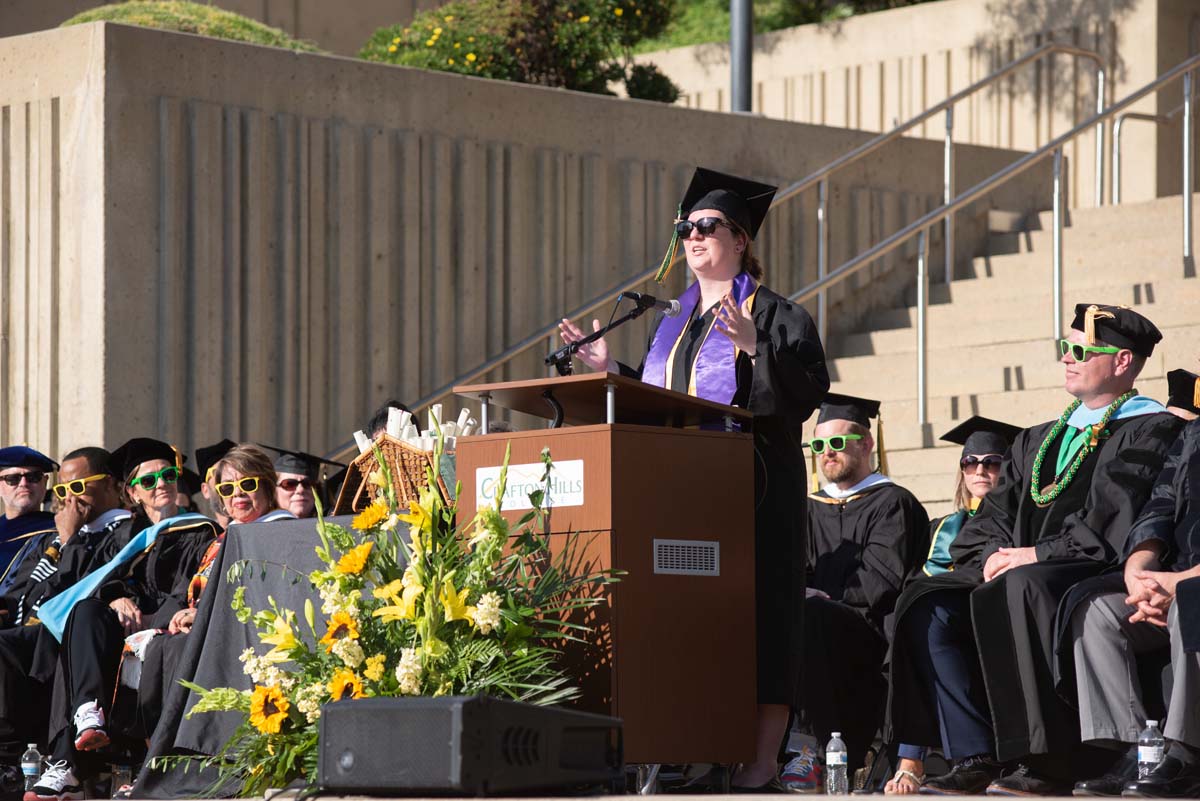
point(897, 533)
point(1158, 517)
point(991, 527)
point(790, 376)
point(1120, 488)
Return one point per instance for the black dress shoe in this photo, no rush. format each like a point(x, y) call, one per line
point(1024, 782)
point(1113, 782)
point(969, 776)
point(1173, 778)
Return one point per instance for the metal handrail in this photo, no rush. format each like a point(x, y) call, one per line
point(820, 178)
point(921, 226)
point(1118, 127)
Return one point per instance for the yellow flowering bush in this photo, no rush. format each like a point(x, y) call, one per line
point(409, 605)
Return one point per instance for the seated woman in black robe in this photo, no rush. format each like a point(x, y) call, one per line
point(737, 342)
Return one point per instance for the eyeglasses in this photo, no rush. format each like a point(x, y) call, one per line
point(168, 475)
point(990, 462)
point(31, 477)
point(835, 443)
point(1081, 353)
point(290, 484)
point(76, 487)
point(705, 225)
point(249, 484)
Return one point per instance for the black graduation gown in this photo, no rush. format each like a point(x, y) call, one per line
point(1078, 535)
point(860, 551)
point(782, 387)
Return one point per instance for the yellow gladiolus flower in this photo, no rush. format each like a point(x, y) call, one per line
point(268, 709)
point(340, 626)
point(470, 56)
point(618, 11)
point(402, 608)
point(454, 604)
point(371, 516)
point(284, 640)
point(345, 684)
point(391, 48)
point(354, 560)
point(390, 590)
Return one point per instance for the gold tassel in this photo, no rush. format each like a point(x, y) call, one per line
point(883, 465)
point(1196, 393)
point(178, 459)
point(668, 261)
point(1090, 317)
point(815, 481)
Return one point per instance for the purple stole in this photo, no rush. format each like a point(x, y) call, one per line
point(713, 375)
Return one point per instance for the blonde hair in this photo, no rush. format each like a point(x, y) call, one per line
point(962, 495)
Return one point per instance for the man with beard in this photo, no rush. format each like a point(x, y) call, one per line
point(866, 535)
point(972, 663)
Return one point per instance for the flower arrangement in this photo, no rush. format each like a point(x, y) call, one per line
point(448, 610)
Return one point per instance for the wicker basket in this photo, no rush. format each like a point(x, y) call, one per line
point(409, 468)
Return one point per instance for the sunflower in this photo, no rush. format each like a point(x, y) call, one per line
point(339, 627)
point(371, 516)
point(345, 684)
point(268, 709)
point(354, 560)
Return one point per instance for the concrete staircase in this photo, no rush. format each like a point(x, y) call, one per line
point(991, 344)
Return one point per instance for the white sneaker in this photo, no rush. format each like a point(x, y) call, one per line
point(89, 727)
point(58, 783)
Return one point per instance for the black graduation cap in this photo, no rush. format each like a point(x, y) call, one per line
point(189, 481)
point(743, 202)
point(208, 456)
point(24, 456)
point(1184, 390)
point(299, 462)
point(848, 407)
point(981, 435)
point(1116, 325)
point(132, 453)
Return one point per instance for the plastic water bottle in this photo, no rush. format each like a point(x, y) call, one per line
point(836, 781)
point(1150, 748)
point(31, 765)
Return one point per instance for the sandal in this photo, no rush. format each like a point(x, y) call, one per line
point(892, 787)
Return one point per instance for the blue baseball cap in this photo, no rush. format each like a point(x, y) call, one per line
point(22, 456)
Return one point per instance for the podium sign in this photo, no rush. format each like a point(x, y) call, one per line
point(673, 653)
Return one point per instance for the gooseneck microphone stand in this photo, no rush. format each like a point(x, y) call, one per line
point(561, 358)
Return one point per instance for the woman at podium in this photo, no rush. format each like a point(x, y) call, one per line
point(737, 342)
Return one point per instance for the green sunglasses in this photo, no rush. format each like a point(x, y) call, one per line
point(1081, 353)
point(836, 443)
point(168, 475)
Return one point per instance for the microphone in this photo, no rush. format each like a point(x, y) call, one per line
point(670, 308)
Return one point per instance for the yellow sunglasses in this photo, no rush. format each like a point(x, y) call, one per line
point(249, 484)
point(76, 487)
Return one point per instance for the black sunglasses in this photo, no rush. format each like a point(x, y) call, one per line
point(705, 225)
point(32, 477)
point(991, 462)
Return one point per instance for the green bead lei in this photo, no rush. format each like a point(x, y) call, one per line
point(1046, 495)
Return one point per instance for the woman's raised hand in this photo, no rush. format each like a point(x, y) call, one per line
point(593, 354)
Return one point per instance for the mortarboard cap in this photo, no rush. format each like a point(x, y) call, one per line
point(189, 481)
point(23, 456)
point(208, 456)
point(299, 462)
point(128, 456)
point(848, 407)
point(980, 435)
point(1184, 390)
point(1116, 326)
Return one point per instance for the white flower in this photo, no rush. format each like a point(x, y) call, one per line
point(390, 523)
point(408, 672)
point(349, 651)
point(308, 701)
point(487, 613)
point(333, 600)
point(261, 671)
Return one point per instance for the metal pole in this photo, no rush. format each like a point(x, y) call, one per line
point(741, 52)
point(822, 257)
point(1187, 167)
point(1058, 247)
point(1118, 125)
point(485, 400)
point(948, 192)
point(1099, 138)
point(610, 403)
point(922, 322)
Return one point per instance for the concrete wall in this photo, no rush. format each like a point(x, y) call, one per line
point(872, 71)
point(190, 254)
point(339, 26)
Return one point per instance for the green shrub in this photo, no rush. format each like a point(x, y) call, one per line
point(577, 44)
point(188, 17)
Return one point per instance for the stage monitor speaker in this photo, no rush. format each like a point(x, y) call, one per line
point(464, 746)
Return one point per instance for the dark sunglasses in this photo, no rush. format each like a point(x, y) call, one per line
point(247, 485)
point(168, 475)
point(835, 443)
point(31, 477)
point(991, 462)
point(290, 484)
point(1081, 353)
point(705, 225)
point(76, 487)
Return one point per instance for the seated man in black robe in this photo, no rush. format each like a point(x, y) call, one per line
point(866, 534)
point(23, 474)
point(973, 658)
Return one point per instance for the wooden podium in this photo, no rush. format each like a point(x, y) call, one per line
point(673, 653)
